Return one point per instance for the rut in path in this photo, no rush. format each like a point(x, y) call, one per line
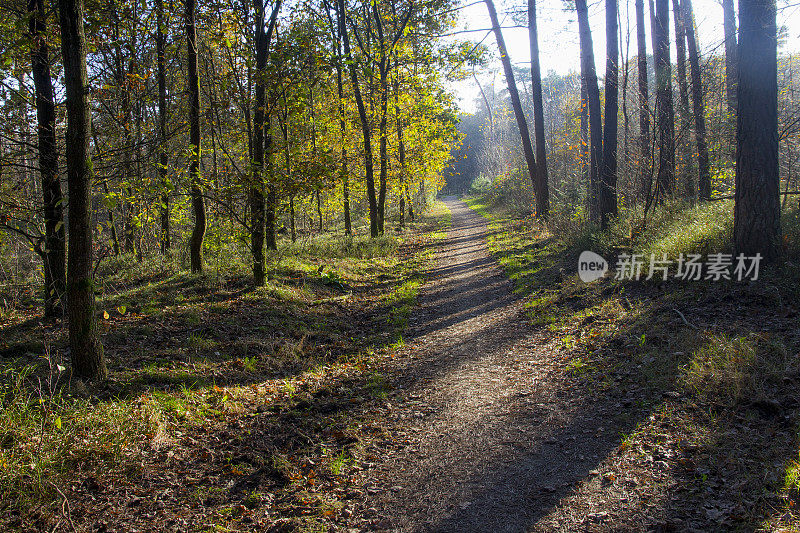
point(496, 437)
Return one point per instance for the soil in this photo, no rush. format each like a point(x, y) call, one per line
point(494, 433)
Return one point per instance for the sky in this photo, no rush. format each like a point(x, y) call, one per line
point(558, 36)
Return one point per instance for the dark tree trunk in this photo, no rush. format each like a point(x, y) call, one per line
point(542, 188)
point(731, 51)
point(644, 108)
point(348, 227)
point(665, 115)
point(365, 127)
point(757, 212)
point(112, 225)
point(161, 40)
point(685, 153)
point(608, 179)
point(319, 212)
point(401, 153)
point(585, 138)
point(383, 151)
point(698, 109)
point(257, 200)
point(86, 350)
point(196, 192)
point(522, 124)
point(595, 121)
point(291, 219)
point(53, 254)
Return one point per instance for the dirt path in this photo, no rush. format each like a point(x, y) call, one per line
point(491, 435)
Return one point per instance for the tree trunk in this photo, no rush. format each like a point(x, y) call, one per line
point(257, 200)
point(514, 94)
point(86, 350)
point(53, 254)
point(401, 152)
point(731, 59)
point(585, 139)
point(365, 126)
point(319, 211)
point(685, 153)
point(384, 141)
point(644, 108)
point(291, 219)
point(698, 109)
point(348, 228)
point(595, 121)
point(608, 180)
point(161, 40)
point(542, 188)
point(665, 179)
point(196, 193)
point(757, 213)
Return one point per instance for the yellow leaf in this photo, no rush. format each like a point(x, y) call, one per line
point(106, 315)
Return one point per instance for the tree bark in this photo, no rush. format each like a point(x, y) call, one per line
point(542, 188)
point(665, 178)
point(161, 40)
point(86, 350)
point(608, 180)
point(512, 91)
point(731, 51)
point(757, 214)
point(685, 153)
point(365, 127)
point(53, 253)
point(644, 108)
point(698, 108)
point(345, 178)
point(256, 193)
point(195, 192)
point(593, 98)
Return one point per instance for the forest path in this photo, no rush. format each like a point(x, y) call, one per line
point(489, 435)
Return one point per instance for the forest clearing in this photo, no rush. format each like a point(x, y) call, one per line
point(336, 265)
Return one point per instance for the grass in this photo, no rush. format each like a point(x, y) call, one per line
point(724, 349)
point(188, 353)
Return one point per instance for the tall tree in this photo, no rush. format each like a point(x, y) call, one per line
point(257, 199)
point(698, 108)
point(683, 102)
point(516, 104)
point(161, 39)
point(644, 108)
point(665, 115)
point(757, 212)
point(364, 119)
point(608, 179)
point(731, 59)
point(196, 186)
point(52, 251)
point(85, 348)
point(541, 187)
point(589, 74)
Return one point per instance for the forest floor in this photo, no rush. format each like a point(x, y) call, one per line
point(469, 402)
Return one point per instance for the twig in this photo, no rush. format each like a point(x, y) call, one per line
point(684, 319)
point(65, 508)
